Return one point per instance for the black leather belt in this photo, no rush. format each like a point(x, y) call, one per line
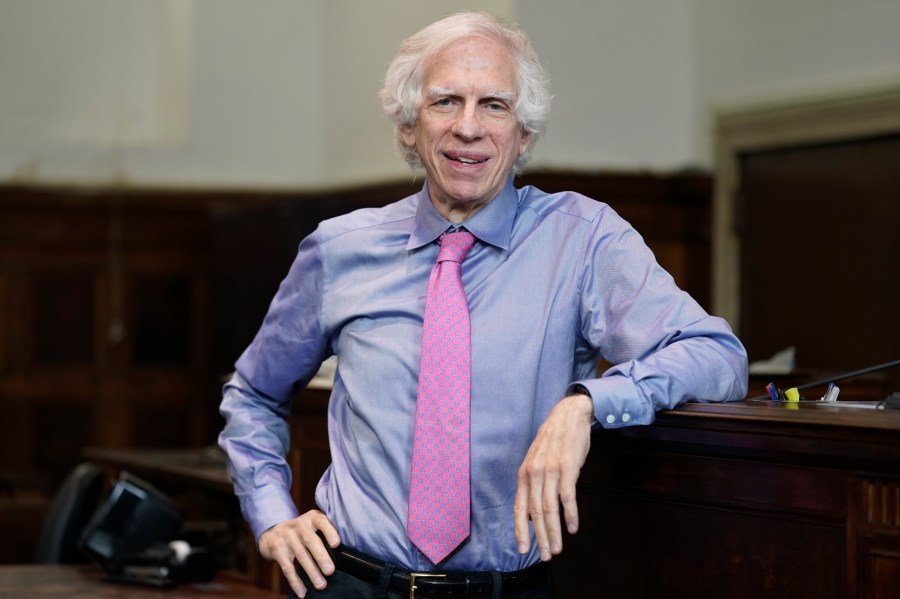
point(449, 585)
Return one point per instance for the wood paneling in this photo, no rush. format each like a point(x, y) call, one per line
point(740, 500)
point(103, 303)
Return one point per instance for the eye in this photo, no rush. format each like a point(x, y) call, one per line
point(496, 105)
point(444, 102)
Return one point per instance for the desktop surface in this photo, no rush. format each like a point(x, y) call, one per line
point(39, 581)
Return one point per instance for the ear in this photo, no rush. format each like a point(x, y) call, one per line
point(407, 135)
point(525, 141)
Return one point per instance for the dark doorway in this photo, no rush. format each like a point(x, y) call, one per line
point(820, 253)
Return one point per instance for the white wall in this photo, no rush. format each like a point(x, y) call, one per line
point(75, 87)
point(243, 114)
point(750, 52)
point(622, 80)
point(283, 93)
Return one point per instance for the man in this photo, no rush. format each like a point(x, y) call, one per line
point(553, 282)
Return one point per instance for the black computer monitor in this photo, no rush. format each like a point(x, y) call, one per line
point(134, 517)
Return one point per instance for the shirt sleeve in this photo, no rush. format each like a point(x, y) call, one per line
point(256, 439)
point(285, 354)
point(665, 348)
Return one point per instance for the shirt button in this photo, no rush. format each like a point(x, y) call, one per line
point(626, 417)
point(610, 419)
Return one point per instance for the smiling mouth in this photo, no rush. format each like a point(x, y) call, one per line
point(466, 160)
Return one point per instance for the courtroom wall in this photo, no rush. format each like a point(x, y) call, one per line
point(226, 93)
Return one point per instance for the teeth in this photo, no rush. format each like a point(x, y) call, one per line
point(468, 160)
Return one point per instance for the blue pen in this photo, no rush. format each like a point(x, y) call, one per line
point(773, 392)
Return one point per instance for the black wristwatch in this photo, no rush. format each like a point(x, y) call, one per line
point(579, 390)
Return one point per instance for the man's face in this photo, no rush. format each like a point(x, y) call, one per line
point(467, 134)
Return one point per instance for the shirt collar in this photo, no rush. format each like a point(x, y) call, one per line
point(492, 224)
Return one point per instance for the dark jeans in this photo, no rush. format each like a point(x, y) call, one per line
point(341, 586)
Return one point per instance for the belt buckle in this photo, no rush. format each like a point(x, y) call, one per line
point(412, 581)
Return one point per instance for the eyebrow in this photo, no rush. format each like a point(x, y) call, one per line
point(436, 92)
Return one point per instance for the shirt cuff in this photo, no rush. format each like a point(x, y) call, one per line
point(267, 507)
point(617, 402)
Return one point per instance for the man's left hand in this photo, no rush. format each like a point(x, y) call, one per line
point(548, 475)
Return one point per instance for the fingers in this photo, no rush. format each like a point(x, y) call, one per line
point(537, 498)
point(550, 543)
point(275, 545)
point(285, 561)
point(521, 515)
point(548, 476)
point(297, 541)
point(569, 503)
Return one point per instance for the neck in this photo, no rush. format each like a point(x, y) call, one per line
point(457, 215)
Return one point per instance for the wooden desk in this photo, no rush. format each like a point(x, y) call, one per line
point(742, 500)
point(41, 581)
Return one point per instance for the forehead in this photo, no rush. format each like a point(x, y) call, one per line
point(472, 60)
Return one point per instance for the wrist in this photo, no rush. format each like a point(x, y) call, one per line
point(581, 397)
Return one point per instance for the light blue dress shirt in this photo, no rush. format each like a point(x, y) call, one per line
point(554, 282)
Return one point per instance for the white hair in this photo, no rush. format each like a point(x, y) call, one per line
point(401, 96)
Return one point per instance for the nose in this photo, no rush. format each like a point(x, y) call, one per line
point(468, 125)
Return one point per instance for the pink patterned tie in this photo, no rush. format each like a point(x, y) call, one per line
point(439, 481)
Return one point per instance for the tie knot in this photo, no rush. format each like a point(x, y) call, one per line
point(455, 246)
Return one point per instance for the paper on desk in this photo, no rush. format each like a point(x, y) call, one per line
point(782, 362)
